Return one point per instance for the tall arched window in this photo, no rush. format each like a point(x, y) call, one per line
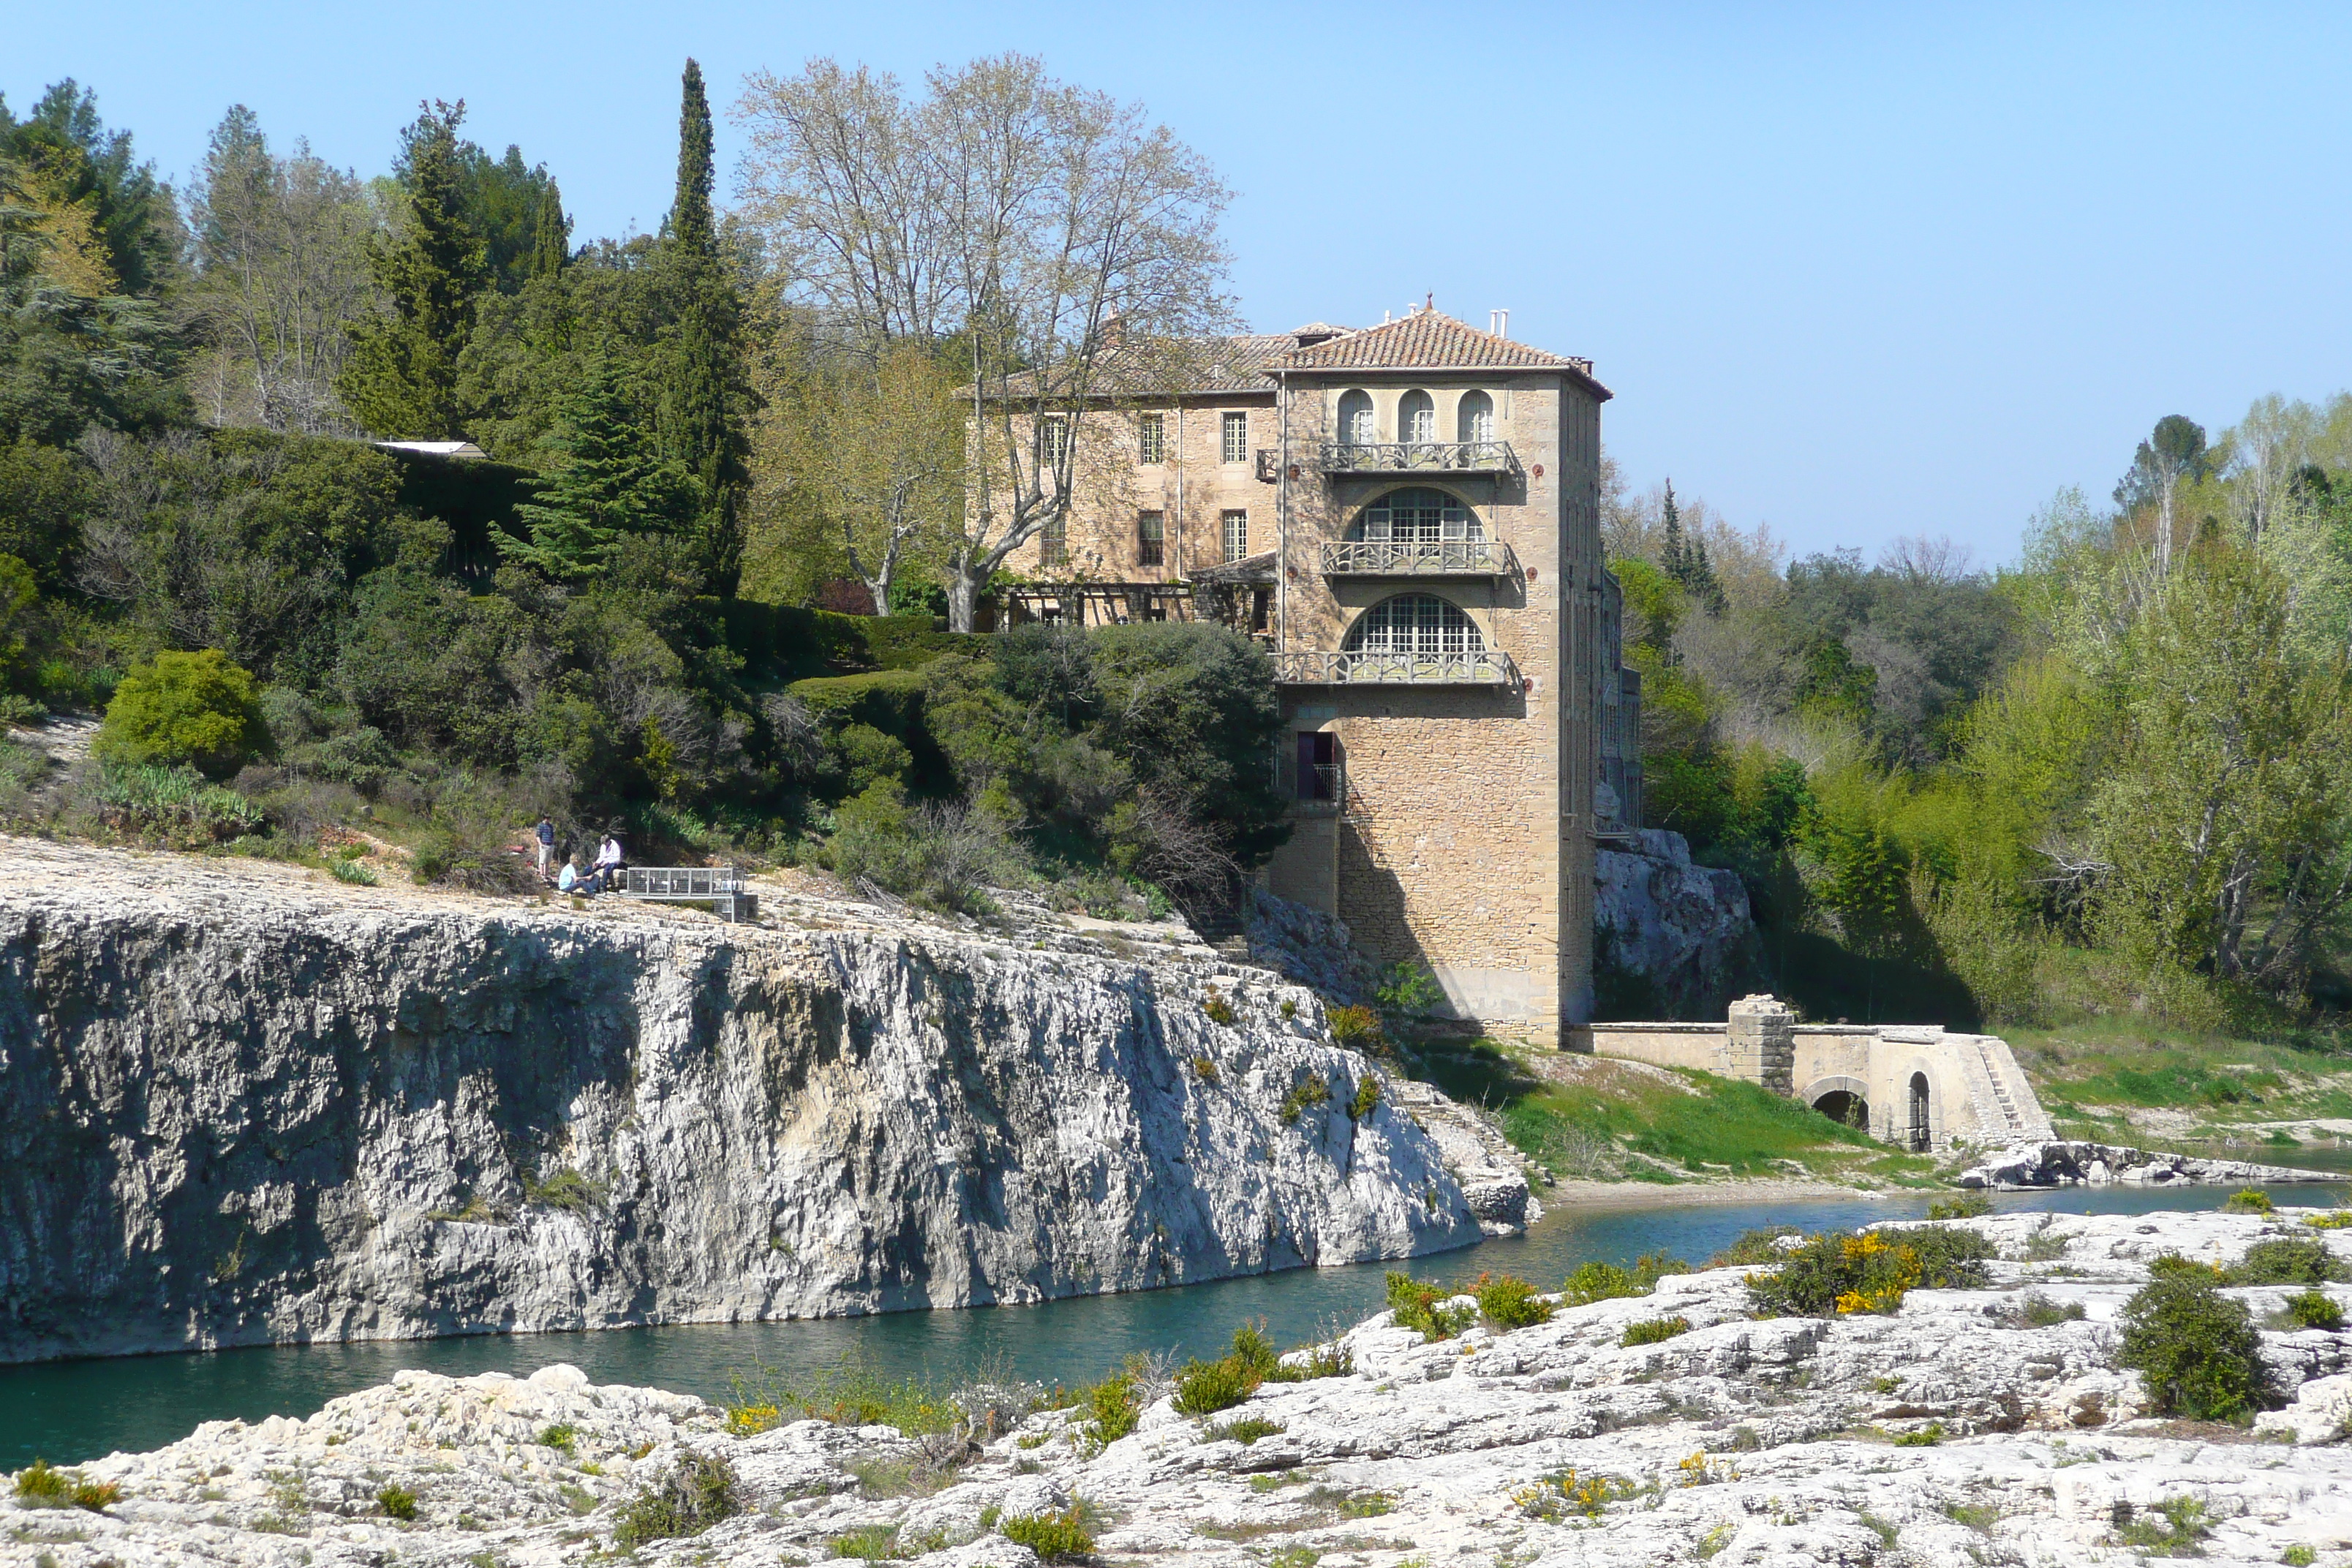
point(1417, 418)
point(1418, 624)
point(1475, 417)
point(1418, 515)
point(1356, 424)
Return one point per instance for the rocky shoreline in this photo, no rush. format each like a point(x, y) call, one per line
point(1949, 1432)
point(2031, 1166)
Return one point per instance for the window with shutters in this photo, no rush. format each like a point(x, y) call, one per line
point(1151, 538)
point(1475, 417)
point(1236, 433)
point(1357, 426)
point(1237, 534)
point(1154, 445)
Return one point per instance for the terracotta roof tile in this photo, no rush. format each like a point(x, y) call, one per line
point(1426, 340)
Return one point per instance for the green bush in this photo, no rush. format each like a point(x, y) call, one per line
point(44, 1484)
point(2314, 1309)
point(1304, 1095)
point(1116, 1404)
point(699, 1492)
point(1053, 1537)
point(2249, 1200)
point(871, 1543)
point(560, 1437)
point(1651, 1330)
point(1418, 1306)
point(192, 709)
point(397, 1501)
point(1593, 1282)
point(1752, 1247)
point(1366, 1098)
point(1246, 1430)
point(2295, 1260)
point(1833, 1275)
point(1205, 1387)
point(2036, 1310)
point(1358, 1028)
point(1963, 1205)
point(2196, 1350)
point(177, 800)
point(1509, 1303)
point(2172, 1265)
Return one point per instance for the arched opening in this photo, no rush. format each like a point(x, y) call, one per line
point(1846, 1108)
point(1417, 418)
point(1418, 624)
point(1920, 1136)
point(1356, 425)
point(1418, 516)
point(1475, 417)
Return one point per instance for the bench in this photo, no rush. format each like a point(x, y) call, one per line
point(718, 886)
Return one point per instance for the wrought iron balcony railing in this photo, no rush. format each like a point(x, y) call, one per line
point(1419, 456)
point(1419, 558)
point(1480, 666)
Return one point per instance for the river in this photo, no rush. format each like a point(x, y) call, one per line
point(71, 1411)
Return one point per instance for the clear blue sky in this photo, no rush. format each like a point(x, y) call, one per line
point(1855, 271)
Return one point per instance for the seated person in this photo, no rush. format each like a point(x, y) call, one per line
point(568, 879)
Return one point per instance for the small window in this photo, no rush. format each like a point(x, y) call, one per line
point(1417, 418)
point(1356, 426)
point(1151, 538)
point(1477, 417)
point(1053, 440)
point(1236, 433)
point(1153, 447)
point(1053, 542)
point(1237, 534)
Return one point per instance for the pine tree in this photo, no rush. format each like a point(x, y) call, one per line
point(401, 380)
point(1670, 559)
point(550, 234)
point(706, 392)
point(1683, 559)
point(606, 484)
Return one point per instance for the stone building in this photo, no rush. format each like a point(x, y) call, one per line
point(1409, 516)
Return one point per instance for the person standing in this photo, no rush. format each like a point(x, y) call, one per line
point(545, 833)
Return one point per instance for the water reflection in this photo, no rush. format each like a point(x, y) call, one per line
point(69, 1411)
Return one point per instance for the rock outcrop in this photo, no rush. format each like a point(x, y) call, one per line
point(1952, 1431)
point(1676, 937)
point(237, 1107)
point(2075, 1164)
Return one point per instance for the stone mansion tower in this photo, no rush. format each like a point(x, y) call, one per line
point(1408, 516)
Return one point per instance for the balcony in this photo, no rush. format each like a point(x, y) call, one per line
point(1480, 666)
point(1314, 789)
point(1419, 458)
point(1419, 558)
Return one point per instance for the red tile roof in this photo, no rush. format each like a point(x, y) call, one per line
point(1426, 340)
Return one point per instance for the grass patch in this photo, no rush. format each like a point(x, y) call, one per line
point(1246, 1431)
point(848, 1393)
point(42, 1485)
point(2036, 1310)
point(2172, 1528)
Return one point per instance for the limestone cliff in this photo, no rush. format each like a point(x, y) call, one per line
point(1670, 939)
point(239, 1106)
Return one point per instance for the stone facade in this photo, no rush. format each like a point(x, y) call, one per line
point(1409, 516)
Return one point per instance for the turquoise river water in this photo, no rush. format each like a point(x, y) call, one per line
point(77, 1410)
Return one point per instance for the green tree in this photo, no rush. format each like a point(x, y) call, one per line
point(606, 484)
point(192, 708)
point(401, 381)
point(550, 234)
point(705, 383)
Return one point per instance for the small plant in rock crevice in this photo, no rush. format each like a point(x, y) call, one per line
point(696, 1492)
point(2036, 1310)
point(1220, 1011)
point(1653, 1331)
point(1312, 1091)
point(1246, 1431)
point(1421, 1307)
point(1053, 1537)
point(397, 1502)
point(2312, 1310)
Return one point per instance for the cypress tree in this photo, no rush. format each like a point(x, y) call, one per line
point(550, 234)
point(401, 381)
point(706, 392)
point(606, 483)
point(1670, 558)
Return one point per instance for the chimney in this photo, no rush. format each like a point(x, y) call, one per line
point(1498, 323)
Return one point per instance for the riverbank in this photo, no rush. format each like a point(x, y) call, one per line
point(1954, 1429)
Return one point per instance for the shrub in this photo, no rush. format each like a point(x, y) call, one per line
point(1962, 1205)
point(1509, 1303)
point(1564, 1492)
point(152, 797)
point(1752, 1247)
point(43, 1485)
point(2334, 1219)
point(2178, 1525)
point(2248, 1200)
point(1358, 1028)
point(1598, 1282)
point(1926, 1436)
point(872, 1543)
point(1054, 1537)
point(2172, 1265)
point(2197, 1350)
point(352, 871)
point(1254, 1350)
point(193, 709)
point(1367, 1099)
point(1653, 1267)
point(2036, 1310)
point(1840, 1275)
point(1417, 1306)
point(397, 1501)
point(2294, 1261)
point(1220, 1011)
point(1246, 1430)
point(2314, 1309)
point(698, 1492)
point(1115, 1406)
point(849, 1394)
point(1205, 1387)
point(560, 1437)
point(1304, 1095)
point(1651, 1330)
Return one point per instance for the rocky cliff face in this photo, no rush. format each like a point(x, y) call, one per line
point(238, 1106)
point(1672, 940)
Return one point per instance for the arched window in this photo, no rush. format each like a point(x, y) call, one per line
point(1475, 417)
point(1416, 418)
point(1922, 1139)
point(1419, 623)
point(1419, 516)
point(1356, 425)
